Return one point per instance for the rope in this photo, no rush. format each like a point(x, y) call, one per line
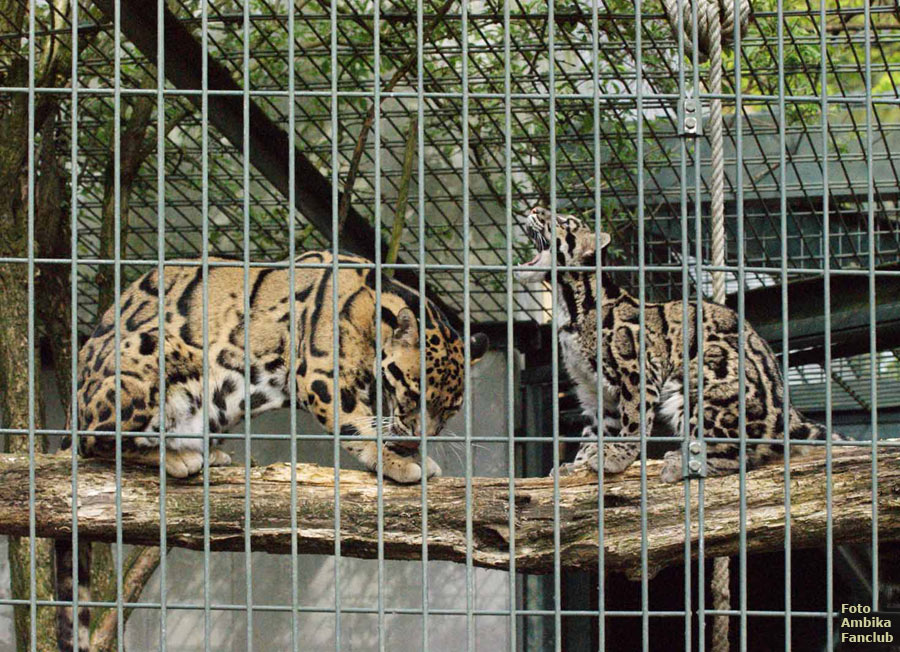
point(715, 29)
point(717, 158)
point(719, 583)
point(720, 587)
point(723, 10)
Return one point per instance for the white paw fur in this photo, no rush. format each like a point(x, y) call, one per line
point(673, 470)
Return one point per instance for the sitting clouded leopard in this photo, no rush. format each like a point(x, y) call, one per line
point(269, 359)
point(665, 352)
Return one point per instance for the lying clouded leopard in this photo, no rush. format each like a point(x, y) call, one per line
point(665, 352)
point(269, 359)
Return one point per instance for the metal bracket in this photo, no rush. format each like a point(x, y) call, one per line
point(689, 113)
point(695, 459)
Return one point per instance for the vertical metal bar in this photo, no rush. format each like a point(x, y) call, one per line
point(204, 265)
point(467, 325)
point(335, 250)
point(292, 331)
point(826, 270)
point(248, 420)
point(642, 304)
point(117, 308)
point(873, 350)
point(379, 429)
point(161, 308)
point(423, 390)
point(698, 329)
point(685, 325)
point(32, 520)
point(785, 343)
point(742, 359)
point(510, 335)
point(598, 273)
point(73, 303)
point(554, 325)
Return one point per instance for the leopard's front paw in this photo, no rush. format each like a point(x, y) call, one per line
point(184, 462)
point(432, 468)
point(218, 457)
point(673, 467)
point(586, 457)
point(404, 472)
point(618, 457)
point(570, 468)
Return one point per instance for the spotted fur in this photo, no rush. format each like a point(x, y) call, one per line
point(269, 356)
point(665, 352)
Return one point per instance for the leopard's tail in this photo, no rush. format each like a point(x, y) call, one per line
point(65, 623)
point(803, 428)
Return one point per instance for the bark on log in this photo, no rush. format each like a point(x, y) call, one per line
point(534, 551)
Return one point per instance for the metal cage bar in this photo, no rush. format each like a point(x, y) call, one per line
point(514, 104)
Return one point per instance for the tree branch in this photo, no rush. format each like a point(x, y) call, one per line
point(401, 522)
point(403, 194)
point(138, 569)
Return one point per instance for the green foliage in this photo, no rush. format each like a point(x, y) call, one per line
point(528, 67)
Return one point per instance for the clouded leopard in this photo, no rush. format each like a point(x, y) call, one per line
point(665, 352)
point(269, 355)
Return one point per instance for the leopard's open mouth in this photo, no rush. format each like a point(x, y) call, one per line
point(539, 241)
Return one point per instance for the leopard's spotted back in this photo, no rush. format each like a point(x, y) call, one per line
point(269, 356)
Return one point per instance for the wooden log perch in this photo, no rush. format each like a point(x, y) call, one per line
point(534, 550)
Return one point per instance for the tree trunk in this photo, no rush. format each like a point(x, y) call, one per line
point(52, 233)
point(14, 381)
point(15, 410)
point(137, 569)
point(401, 522)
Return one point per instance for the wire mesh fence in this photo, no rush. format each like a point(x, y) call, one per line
point(200, 152)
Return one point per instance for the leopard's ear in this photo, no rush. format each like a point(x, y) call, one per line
point(478, 346)
point(407, 330)
point(588, 257)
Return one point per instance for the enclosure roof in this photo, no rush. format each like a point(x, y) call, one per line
point(504, 129)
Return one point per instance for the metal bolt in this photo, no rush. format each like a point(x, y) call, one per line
point(689, 106)
point(694, 466)
point(695, 447)
point(690, 123)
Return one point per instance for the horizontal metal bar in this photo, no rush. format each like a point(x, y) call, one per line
point(883, 443)
point(456, 267)
point(186, 606)
point(616, 98)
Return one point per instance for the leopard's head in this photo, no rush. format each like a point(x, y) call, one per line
point(576, 244)
point(444, 369)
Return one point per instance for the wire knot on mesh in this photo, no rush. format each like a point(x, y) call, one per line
point(709, 29)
